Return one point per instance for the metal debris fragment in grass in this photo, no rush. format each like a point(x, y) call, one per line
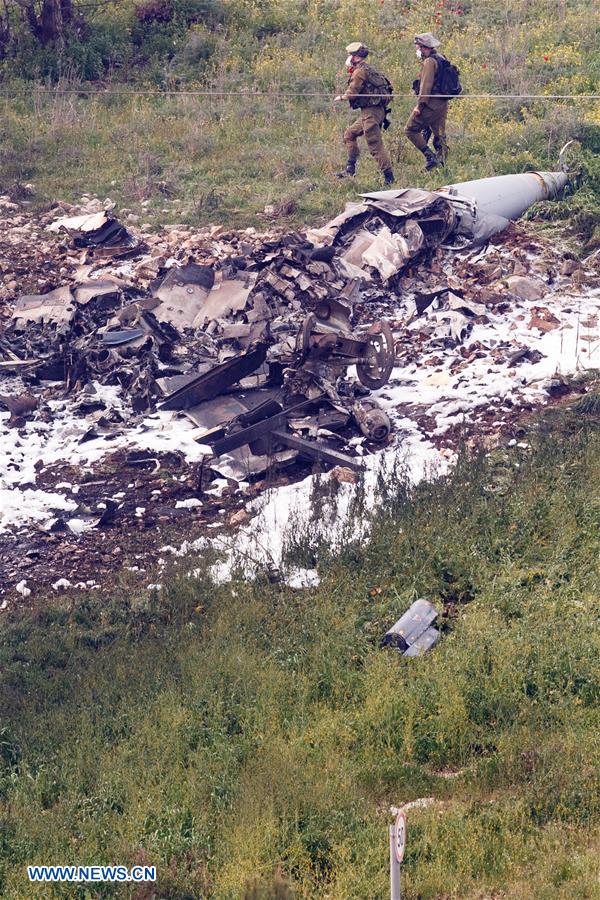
point(413, 633)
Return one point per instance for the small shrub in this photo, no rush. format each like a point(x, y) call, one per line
point(151, 11)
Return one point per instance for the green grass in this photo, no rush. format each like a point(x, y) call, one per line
point(248, 739)
point(204, 160)
point(195, 160)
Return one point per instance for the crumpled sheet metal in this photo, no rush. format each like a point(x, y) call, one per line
point(450, 315)
point(384, 254)
point(435, 214)
point(386, 251)
point(87, 223)
point(467, 307)
point(213, 382)
point(241, 463)
point(260, 310)
point(413, 633)
point(325, 236)
point(351, 271)
point(361, 242)
point(389, 252)
point(106, 289)
point(387, 231)
point(451, 325)
point(403, 202)
point(99, 230)
point(56, 307)
point(191, 296)
point(226, 297)
point(182, 293)
point(59, 306)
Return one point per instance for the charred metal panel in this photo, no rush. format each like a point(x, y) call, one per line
point(214, 382)
point(315, 450)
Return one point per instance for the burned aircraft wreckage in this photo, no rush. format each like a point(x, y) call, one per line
point(270, 353)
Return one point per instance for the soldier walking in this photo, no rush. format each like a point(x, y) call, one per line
point(429, 115)
point(371, 92)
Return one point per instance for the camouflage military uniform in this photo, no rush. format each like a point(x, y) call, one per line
point(372, 114)
point(430, 113)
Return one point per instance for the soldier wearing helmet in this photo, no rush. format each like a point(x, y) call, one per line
point(429, 115)
point(371, 92)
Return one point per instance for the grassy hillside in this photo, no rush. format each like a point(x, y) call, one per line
point(249, 739)
point(203, 159)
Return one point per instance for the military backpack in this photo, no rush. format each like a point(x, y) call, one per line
point(447, 79)
point(376, 91)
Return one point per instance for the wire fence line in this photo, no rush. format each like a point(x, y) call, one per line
point(247, 94)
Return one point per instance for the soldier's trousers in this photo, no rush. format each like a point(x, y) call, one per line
point(432, 119)
point(369, 125)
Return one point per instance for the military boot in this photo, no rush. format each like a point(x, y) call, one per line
point(388, 176)
point(430, 159)
point(349, 171)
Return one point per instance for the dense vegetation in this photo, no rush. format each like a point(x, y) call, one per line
point(249, 739)
point(223, 158)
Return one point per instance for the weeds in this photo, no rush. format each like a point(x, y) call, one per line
point(248, 738)
point(226, 158)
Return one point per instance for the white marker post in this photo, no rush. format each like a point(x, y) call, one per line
point(397, 846)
